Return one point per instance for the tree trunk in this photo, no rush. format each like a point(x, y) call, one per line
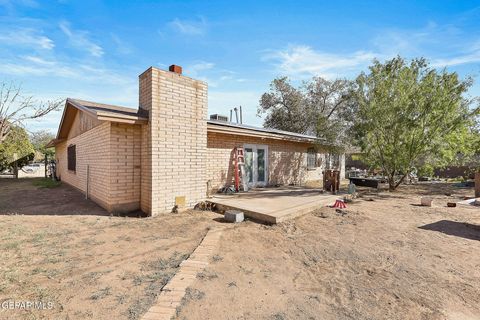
point(391, 183)
point(401, 180)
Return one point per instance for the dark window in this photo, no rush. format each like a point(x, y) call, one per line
point(311, 158)
point(72, 157)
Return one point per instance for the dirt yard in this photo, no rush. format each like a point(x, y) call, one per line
point(384, 257)
point(88, 264)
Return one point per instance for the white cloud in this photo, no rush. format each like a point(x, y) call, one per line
point(39, 60)
point(80, 39)
point(457, 60)
point(443, 45)
point(10, 5)
point(35, 66)
point(303, 61)
point(26, 37)
point(202, 71)
point(192, 28)
point(197, 68)
point(468, 56)
point(122, 47)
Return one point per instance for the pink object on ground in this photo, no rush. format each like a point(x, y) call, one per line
point(339, 204)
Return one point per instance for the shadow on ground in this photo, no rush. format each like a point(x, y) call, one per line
point(21, 197)
point(453, 228)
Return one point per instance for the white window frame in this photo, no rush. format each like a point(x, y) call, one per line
point(255, 147)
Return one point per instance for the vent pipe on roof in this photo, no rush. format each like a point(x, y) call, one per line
point(231, 116)
point(241, 120)
point(236, 113)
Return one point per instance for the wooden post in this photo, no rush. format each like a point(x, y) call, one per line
point(15, 166)
point(477, 184)
point(46, 161)
point(15, 170)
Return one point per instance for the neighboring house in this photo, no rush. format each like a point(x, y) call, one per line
point(167, 153)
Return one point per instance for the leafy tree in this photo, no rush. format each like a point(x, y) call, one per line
point(40, 139)
point(409, 113)
point(286, 108)
point(16, 108)
point(317, 107)
point(329, 102)
point(16, 146)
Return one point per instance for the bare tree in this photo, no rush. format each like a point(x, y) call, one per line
point(16, 108)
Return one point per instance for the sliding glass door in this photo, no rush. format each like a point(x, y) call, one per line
point(256, 164)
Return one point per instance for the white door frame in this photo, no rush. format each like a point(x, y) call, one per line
point(255, 147)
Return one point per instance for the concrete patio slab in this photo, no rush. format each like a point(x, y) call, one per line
point(273, 205)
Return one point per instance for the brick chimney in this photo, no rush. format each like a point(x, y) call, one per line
point(174, 143)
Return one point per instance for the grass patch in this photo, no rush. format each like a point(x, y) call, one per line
point(100, 294)
point(46, 183)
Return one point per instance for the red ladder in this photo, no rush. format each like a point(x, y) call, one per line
point(239, 167)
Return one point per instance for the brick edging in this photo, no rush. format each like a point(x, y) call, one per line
point(173, 292)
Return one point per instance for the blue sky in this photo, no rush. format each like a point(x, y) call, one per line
point(95, 50)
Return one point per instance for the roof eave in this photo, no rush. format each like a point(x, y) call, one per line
point(54, 142)
point(211, 127)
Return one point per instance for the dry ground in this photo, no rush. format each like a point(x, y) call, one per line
point(90, 265)
point(384, 259)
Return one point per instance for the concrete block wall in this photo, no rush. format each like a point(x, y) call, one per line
point(174, 143)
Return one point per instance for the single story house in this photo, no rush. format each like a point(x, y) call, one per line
point(167, 153)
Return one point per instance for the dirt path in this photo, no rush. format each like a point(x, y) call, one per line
point(383, 259)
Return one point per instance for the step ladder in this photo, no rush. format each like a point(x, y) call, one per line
point(239, 169)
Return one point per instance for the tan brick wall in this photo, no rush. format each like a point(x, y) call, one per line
point(145, 103)
point(125, 166)
point(112, 152)
point(287, 161)
point(93, 149)
point(175, 150)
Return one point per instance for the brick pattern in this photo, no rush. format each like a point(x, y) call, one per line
point(125, 166)
point(172, 294)
point(287, 160)
point(93, 149)
point(173, 157)
point(145, 103)
point(111, 150)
